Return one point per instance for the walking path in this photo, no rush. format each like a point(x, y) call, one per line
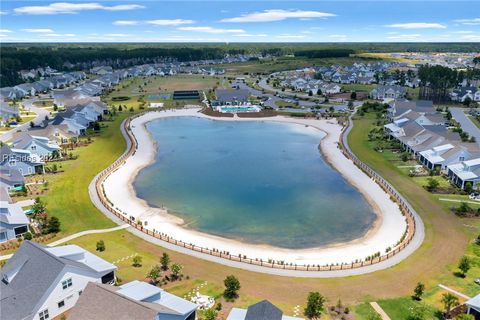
point(455, 292)
point(76, 235)
point(173, 245)
point(455, 200)
point(26, 203)
point(380, 311)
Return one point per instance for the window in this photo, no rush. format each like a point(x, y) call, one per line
point(67, 283)
point(43, 315)
point(34, 147)
point(80, 293)
point(61, 304)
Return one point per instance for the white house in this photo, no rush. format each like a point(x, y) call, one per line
point(464, 171)
point(13, 221)
point(473, 306)
point(41, 282)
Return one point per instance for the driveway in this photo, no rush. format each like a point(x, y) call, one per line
point(467, 125)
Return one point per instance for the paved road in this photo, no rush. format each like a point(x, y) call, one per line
point(467, 125)
point(28, 104)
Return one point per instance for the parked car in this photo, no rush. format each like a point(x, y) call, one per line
point(477, 281)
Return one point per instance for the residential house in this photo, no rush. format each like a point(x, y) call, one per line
point(13, 221)
point(462, 93)
point(23, 160)
point(263, 310)
point(73, 126)
point(101, 70)
point(443, 155)
point(473, 307)
point(465, 171)
point(25, 89)
point(41, 282)
point(382, 92)
point(58, 134)
point(11, 179)
point(330, 88)
point(10, 93)
point(400, 108)
point(134, 300)
point(7, 112)
point(38, 145)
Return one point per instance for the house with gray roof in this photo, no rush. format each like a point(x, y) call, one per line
point(38, 145)
point(134, 300)
point(10, 93)
point(7, 112)
point(23, 160)
point(13, 221)
point(41, 282)
point(263, 310)
point(10, 179)
point(382, 92)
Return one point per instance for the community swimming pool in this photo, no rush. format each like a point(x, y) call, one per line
point(235, 109)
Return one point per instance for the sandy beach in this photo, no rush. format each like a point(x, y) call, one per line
point(386, 231)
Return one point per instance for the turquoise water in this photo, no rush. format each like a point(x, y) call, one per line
point(258, 182)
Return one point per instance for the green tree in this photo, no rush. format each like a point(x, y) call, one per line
point(449, 301)
point(100, 246)
point(232, 285)
point(432, 184)
point(315, 305)
point(39, 206)
point(176, 270)
point(418, 291)
point(353, 95)
point(53, 225)
point(464, 265)
point(27, 236)
point(154, 274)
point(137, 261)
point(210, 314)
point(165, 261)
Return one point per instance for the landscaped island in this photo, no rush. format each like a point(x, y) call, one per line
point(384, 235)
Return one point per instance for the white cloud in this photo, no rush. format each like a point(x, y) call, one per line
point(66, 7)
point(158, 22)
point(417, 25)
point(471, 37)
point(337, 36)
point(470, 22)
point(38, 30)
point(126, 23)
point(290, 36)
point(463, 32)
point(57, 35)
point(2, 12)
point(250, 35)
point(278, 15)
point(405, 37)
point(5, 31)
point(169, 22)
point(211, 30)
point(117, 35)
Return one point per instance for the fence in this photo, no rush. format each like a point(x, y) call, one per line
point(405, 207)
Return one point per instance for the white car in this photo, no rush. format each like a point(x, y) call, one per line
point(477, 281)
point(474, 196)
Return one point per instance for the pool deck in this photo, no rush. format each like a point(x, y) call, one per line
point(387, 231)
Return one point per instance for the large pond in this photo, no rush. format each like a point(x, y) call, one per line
point(257, 182)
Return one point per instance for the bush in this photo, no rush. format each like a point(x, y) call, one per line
point(100, 246)
point(232, 285)
point(28, 236)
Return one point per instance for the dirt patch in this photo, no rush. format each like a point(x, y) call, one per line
point(261, 114)
point(214, 113)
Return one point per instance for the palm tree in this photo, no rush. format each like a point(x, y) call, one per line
point(449, 301)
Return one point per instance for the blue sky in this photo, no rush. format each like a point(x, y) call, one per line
point(239, 21)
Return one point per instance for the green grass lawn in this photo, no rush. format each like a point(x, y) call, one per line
point(68, 197)
point(447, 237)
point(358, 87)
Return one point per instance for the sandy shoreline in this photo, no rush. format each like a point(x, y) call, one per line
point(386, 231)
